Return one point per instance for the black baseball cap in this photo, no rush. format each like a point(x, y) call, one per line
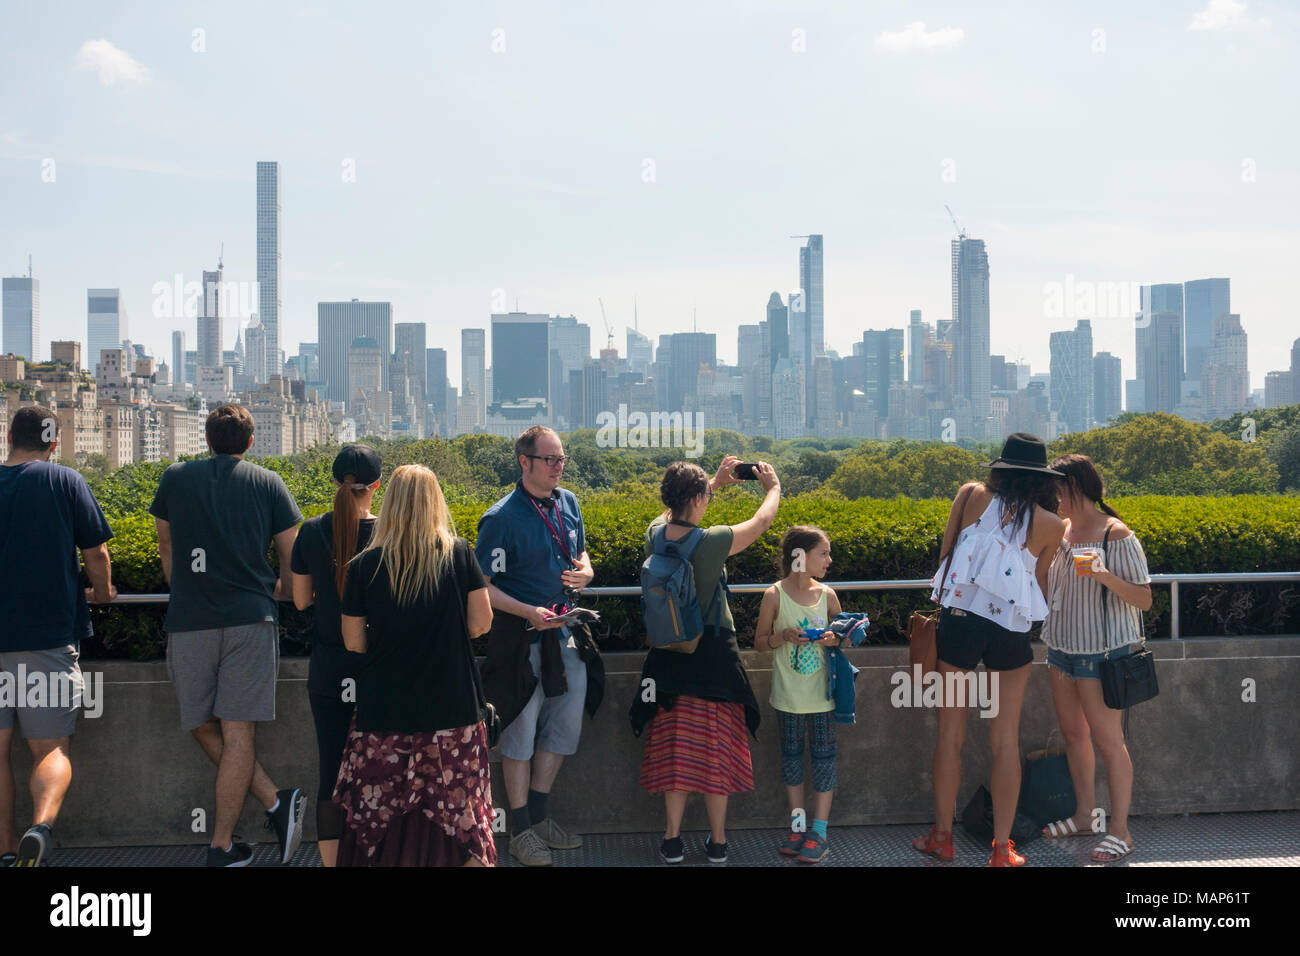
point(360, 461)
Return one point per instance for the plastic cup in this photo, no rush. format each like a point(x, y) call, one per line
point(1085, 560)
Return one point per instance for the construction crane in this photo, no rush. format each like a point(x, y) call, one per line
point(961, 233)
point(609, 329)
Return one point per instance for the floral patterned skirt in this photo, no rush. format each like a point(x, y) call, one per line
point(416, 799)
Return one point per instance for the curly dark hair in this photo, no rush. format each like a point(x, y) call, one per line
point(683, 483)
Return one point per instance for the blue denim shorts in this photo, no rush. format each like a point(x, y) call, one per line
point(1084, 666)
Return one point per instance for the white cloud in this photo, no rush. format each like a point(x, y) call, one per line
point(914, 36)
point(1219, 14)
point(113, 65)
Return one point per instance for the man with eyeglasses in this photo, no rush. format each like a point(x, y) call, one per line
point(539, 674)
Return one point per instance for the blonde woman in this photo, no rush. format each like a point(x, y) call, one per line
point(414, 783)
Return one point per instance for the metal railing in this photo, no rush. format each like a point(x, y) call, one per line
point(911, 584)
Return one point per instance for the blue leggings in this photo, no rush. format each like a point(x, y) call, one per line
point(820, 728)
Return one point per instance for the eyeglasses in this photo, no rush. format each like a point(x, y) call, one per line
point(553, 460)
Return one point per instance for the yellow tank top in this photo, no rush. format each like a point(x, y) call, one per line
point(799, 670)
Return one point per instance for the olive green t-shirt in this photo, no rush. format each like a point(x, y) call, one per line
point(710, 565)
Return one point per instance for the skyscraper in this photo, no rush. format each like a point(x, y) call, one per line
point(787, 400)
point(520, 357)
point(882, 355)
point(473, 376)
point(1073, 377)
point(812, 325)
point(178, 357)
point(916, 349)
point(255, 352)
point(22, 317)
point(1107, 387)
point(337, 324)
point(1160, 347)
point(749, 345)
point(970, 315)
point(409, 351)
point(435, 389)
point(778, 329)
point(105, 322)
point(569, 348)
point(688, 353)
point(268, 264)
point(209, 321)
point(1205, 301)
point(640, 352)
point(1225, 381)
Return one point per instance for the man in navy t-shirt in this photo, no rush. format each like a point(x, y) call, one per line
point(46, 513)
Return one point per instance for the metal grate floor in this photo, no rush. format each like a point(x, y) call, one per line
point(1221, 839)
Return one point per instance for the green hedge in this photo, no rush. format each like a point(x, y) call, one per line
point(872, 539)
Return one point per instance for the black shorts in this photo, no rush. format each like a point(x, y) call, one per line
point(964, 639)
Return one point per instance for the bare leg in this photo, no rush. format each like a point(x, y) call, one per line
point(947, 755)
point(1078, 745)
point(329, 852)
point(1004, 739)
point(234, 774)
point(209, 738)
point(822, 804)
point(8, 835)
point(1108, 731)
point(716, 805)
point(545, 767)
point(794, 797)
point(674, 808)
point(51, 775)
point(517, 774)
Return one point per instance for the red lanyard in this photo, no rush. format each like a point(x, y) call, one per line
point(559, 538)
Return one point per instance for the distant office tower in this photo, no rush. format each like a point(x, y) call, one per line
point(810, 280)
point(409, 351)
point(191, 366)
point(473, 374)
point(787, 400)
point(337, 324)
point(366, 368)
point(640, 352)
point(1225, 380)
point(1205, 300)
point(309, 361)
point(689, 352)
point(916, 349)
point(588, 394)
point(1107, 387)
point(971, 348)
point(210, 321)
point(22, 317)
point(1072, 377)
point(520, 357)
point(882, 354)
point(824, 420)
point(435, 389)
point(749, 346)
point(268, 265)
point(569, 349)
point(255, 352)
point(105, 321)
point(1160, 347)
point(778, 328)
point(178, 357)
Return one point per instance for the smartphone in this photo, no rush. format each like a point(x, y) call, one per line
point(745, 471)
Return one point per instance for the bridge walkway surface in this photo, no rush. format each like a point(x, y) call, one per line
point(1214, 839)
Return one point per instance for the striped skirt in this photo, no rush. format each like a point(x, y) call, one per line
point(700, 746)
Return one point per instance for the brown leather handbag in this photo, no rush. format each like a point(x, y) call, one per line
point(922, 626)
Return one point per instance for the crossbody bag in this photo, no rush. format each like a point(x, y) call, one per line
point(1129, 680)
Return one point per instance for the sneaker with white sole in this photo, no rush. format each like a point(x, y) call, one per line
point(555, 836)
point(527, 847)
point(35, 846)
point(286, 821)
point(716, 852)
point(239, 854)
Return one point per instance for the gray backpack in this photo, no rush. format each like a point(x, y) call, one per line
point(669, 604)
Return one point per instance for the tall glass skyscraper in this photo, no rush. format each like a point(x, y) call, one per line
point(778, 329)
point(970, 315)
point(210, 351)
point(473, 374)
point(268, 261)
point(1073, 377)
point(178, 357)
point(1205, 300)
point(882, 362)
point(813, 325)
point(22, 317)
point(520, 357)
point(1160, 347)
point(105, 323)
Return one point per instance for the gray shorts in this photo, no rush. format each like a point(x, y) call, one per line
point(549, 723)
point(225, 672)
point(41, 691)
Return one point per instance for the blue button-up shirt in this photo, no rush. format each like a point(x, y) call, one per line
point(518, 552)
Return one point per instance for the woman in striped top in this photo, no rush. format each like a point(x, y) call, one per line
point(1079, 633)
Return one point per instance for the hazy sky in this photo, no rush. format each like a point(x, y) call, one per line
point(566, 151)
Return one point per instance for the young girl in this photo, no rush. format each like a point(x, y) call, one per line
point(796, 604)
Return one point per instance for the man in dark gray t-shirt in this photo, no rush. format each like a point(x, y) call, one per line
point(216, 519)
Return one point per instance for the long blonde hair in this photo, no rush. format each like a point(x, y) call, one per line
point(415, 531)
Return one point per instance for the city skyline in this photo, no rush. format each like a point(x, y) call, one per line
point(139, 207)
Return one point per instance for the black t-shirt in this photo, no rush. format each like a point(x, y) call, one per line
point(223, 512)
point(313, 553)
point(416, 675)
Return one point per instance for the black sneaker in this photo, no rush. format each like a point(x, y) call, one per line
point(286, 821)
point(672, 851)
point(239, 854)
point(8, 859)
point(35, 846)
point(716, 852)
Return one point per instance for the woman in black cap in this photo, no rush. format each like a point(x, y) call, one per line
point(991, 585)
point(321, 553)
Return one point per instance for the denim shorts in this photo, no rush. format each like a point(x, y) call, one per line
point(1084, 666)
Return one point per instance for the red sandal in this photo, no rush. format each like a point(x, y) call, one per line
point(936, 844)
point(1006, 855)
